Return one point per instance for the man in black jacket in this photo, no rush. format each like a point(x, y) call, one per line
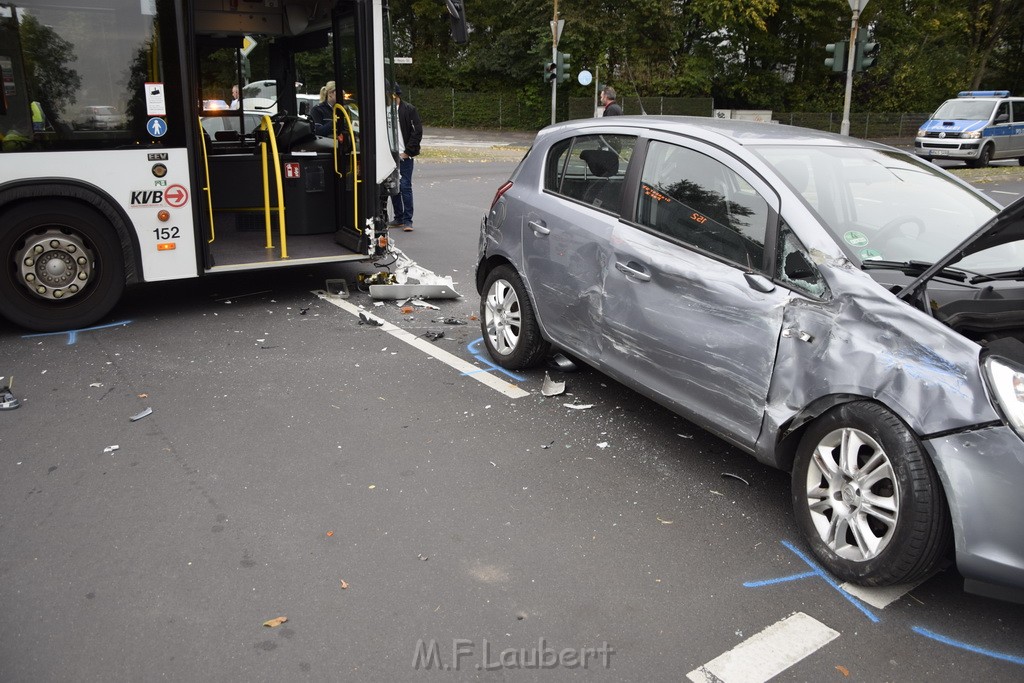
point(410, 133)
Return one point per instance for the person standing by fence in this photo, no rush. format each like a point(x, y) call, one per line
point(611, 107)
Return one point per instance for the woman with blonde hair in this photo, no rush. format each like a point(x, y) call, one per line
point(322, 115)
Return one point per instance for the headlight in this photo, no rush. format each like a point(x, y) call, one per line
point(922, 133)
point(1007, 385)
point(972, 135)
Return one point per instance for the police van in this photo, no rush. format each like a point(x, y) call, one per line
point(976, 127)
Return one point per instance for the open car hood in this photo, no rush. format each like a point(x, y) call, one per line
point(1005, 227)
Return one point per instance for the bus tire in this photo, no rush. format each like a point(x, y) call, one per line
point(62, 265)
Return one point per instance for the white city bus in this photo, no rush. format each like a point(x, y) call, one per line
point(90, 203)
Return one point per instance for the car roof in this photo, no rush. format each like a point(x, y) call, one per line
point(715, 130)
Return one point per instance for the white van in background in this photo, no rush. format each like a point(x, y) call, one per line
point(977, 127)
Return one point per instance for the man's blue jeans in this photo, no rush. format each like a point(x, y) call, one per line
point(402, 202)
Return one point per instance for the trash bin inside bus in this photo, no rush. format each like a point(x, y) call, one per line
point(309, 193)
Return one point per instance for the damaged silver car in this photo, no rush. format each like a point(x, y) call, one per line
point(837, 308)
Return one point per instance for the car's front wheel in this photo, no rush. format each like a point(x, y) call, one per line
point(867, 497)
point(984, 158)
point(510, 327)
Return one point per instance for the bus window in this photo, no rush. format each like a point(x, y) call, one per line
point(84, 78)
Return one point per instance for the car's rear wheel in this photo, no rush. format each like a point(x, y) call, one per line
point(510, 327)
point(867, 497)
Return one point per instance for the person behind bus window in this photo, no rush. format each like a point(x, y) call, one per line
point(322, 115)
point(234, 96)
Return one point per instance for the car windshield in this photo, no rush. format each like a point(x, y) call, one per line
point(964, 110)
point(886, 205)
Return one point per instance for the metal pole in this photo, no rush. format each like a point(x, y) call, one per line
point(845, 129)
point(554, 58)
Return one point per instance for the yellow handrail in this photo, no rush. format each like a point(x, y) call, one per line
point(206, 169)
point(355, 167)
point(265, 125)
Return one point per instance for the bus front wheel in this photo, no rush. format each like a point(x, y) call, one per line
point(62, 266)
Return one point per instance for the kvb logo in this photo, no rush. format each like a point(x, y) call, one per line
point(174, 196)
point(147, 197)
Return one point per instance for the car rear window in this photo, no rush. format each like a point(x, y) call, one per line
point(590, 169)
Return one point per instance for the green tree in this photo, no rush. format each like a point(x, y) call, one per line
point(51, 80)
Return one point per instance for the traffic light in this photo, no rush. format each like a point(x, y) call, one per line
point(549, 72)
point(867, 51)
point(562, 66)
point(839, 52)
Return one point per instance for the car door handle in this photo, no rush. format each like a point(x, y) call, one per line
point(632, 272)
point(539, 228)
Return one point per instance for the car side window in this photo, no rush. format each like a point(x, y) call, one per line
point(1017, 112)
point(795, 268)
point(698, 200)
point(1002, 113)
point(590, 169)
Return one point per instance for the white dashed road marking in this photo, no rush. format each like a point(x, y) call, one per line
point(466, 368)
point(769, 653)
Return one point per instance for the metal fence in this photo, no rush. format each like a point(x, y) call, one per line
point(450, 108)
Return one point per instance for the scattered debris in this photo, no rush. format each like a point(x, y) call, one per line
point(336, 287)
point(142, 395)
point(407, 309)
point(550, 387)
point(434, 335)
point(422, 557)
point(730, 475)
point(111, 449)
point(139, 416)
point(96, 385)
point(547, 445)
point(665, 521)
point(423, 304)
point(379, 278)
point(560, 362)
point(275, 622)
point(579, 406)
point(7, 400)
point(329, 534)
point(843, 670)
point(302, 311)
point(450, 321)
point(410, 280)
point(370, 320)
point(685, 436)
point(344, 584)
point(603, 444)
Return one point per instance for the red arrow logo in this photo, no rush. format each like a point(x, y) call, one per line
point(176, 196)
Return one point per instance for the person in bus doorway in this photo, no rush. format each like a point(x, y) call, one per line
point(322, 115)
point(410, 133)
point(611, 107)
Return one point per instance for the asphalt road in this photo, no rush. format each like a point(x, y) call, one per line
point(401, 513)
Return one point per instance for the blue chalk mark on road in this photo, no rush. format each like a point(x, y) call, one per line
point(73, 334)
point(473, 348)
point(946, 640)
point(816, 571)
